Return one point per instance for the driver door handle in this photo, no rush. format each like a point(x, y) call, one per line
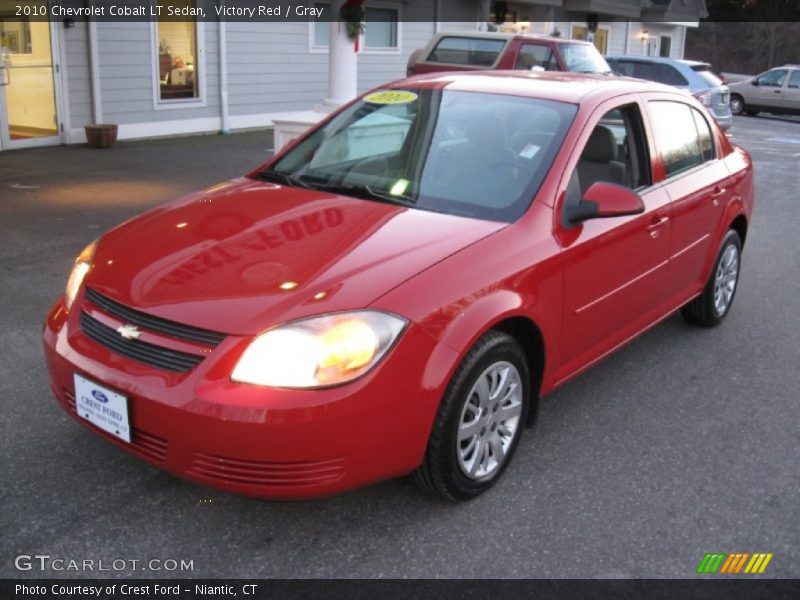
point(656, 223)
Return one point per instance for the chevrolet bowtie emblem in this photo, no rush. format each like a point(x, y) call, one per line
point(129, 332)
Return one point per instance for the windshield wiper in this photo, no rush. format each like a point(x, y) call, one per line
point(285, 178)
point(365, 191)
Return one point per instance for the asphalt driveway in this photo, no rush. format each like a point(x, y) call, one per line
point(685, 442)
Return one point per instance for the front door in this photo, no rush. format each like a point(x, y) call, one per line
point(28, 98)
point(769, 91)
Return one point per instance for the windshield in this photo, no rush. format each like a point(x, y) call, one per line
point(583, 58)
point(472, 154)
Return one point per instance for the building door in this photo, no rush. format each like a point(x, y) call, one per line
point(28, 92)
point(599, 38)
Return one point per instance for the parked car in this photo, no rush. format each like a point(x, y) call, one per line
point(477, 51)
point(777, 91)
point(394, 291)
point(695, 77)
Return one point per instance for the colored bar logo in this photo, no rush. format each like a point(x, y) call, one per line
point(734, 563)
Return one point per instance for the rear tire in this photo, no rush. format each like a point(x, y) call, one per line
point(711, 307)
point(737, 104)
point(479, 422)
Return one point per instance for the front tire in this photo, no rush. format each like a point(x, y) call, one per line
point(710, 308)
point(479, 422)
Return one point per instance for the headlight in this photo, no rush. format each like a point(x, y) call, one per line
point(82, 265)
point(319, 351)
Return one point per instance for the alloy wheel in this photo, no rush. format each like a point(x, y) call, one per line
point(725, 281)
point(489, 421)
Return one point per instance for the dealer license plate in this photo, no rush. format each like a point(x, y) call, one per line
point(102, 407)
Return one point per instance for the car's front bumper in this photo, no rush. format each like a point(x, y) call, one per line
point(255, 441)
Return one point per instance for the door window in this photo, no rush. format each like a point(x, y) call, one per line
point(536, 55)
point(794, 80)
point(676, 136)
point(773, 78)
point(616, 152)
point(26, 71)
point(177, 57)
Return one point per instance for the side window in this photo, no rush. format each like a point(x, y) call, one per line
point(773, 78)
point(794, 80)
point(643, 70)
point(676, 136)
point(669, 75)
point(707, 148)
point(536, 55)
point(616, 152)
point(467, 51)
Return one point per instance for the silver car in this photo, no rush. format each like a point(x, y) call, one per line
point(695, 77)
point(777, 91)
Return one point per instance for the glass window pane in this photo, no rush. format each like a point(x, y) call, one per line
point(794, 81)
point(381, 28)
point(704, 132)
point(536, 55)
point(177, 57)
point(322, 29)
point(670, 75)
point(467, 51)
point(676, 136)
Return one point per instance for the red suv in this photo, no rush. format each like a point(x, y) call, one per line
point(466, 51)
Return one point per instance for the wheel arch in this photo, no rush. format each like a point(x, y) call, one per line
point(530, 338)
point(739, 225)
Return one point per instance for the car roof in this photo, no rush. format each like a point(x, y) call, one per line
point(573, 88)
point(659, 59)
point(499, 35)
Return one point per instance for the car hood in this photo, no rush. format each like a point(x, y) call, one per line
point(245, 255)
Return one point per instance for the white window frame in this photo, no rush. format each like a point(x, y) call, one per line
point(315, 49)
point(200, 72)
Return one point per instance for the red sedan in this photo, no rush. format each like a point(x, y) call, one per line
point(394, 292)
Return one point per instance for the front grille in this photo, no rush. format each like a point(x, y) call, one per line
point(231, 470)
point(157, 356)
point(157, 324)
point(145, 444)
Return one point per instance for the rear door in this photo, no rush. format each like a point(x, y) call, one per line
point(696, 182)
point(791, 94)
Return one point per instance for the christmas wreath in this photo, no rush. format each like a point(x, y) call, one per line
point(352, 14)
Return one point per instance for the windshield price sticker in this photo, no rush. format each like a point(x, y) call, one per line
point(391, 97)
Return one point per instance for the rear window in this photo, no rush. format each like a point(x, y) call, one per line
point(467, 51)
point(707, 75)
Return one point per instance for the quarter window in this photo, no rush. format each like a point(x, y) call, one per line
point(676, 136)
point(704, 134)
point(467, 51)
point(670, 75)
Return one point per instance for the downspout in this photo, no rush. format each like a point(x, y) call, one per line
point(437, 16)
point(94, 71)
point(627, 36)
point(223, 79)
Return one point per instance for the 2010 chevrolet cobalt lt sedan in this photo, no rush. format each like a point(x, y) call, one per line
point(393, 292)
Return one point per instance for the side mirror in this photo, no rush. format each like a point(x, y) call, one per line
point(603, 200)
point(754, 82)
